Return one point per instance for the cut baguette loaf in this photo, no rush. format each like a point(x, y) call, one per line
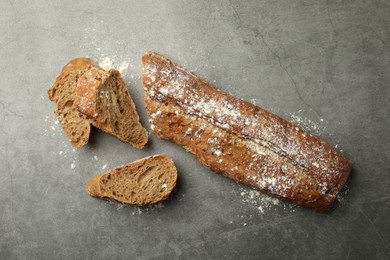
point(240, 140)
point(142, 182)
point(76, 126)
point(85, 94)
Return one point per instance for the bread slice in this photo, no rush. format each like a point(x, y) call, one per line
point(86, 94)
point(103, 97)
point(76, 126)
point(142, 182)
point(240, 140)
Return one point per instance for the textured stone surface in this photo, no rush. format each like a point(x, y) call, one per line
point(322, 64)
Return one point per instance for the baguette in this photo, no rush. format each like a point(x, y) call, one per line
point(142, 182)
point(240, 140)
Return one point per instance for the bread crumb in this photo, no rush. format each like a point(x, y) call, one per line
point(95, 157)
point(104, 166)
point(60, 152)
point(73, 165)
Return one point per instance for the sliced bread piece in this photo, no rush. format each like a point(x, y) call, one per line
point(146, 181)
point(104, 97)
point(86, 94)
point(76, 126)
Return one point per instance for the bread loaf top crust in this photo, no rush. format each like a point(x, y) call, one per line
point(166, 81)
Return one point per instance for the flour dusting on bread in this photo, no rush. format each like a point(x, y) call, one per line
point(290, 163)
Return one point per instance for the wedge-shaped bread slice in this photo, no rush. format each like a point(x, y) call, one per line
point(146, 181)
point(103, 97)
point(76, 126)
point(85, 94)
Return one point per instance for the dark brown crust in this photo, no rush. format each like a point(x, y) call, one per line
point(166, 82)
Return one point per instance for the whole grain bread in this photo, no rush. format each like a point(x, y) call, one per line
point(76, 126)
point(104, 97)
point(86, 94)
point(142, 182)
point(240, 140)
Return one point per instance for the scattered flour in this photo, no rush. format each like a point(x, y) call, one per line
point(65, 149)
point(311, 125)
point(135, 210)
point(123, 67)
point(106, 63)
point(50, 128)
point(262, 203)
point(308, 124)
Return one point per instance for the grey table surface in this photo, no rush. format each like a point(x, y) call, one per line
point(324, 65)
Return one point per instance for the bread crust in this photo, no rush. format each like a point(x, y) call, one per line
point(76, 65)
point(325, 169)
point(87, 90)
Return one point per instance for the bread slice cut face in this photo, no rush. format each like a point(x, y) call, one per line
point(146, 181)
